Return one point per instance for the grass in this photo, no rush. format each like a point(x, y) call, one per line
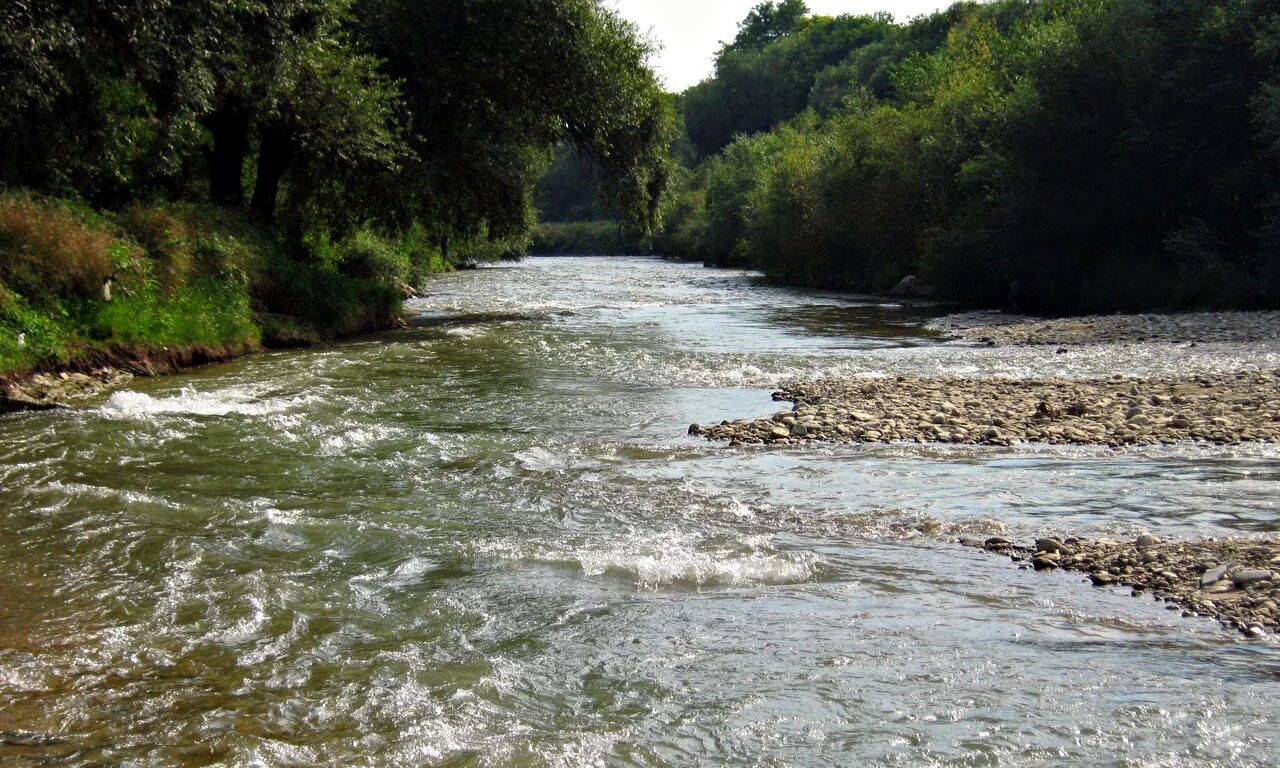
point(182, 277)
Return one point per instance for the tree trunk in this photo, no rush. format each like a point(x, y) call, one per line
point(273, 160)
point(230, 128)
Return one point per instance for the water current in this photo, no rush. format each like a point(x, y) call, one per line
point(486, 540)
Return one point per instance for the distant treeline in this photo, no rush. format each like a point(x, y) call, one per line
point(1055, 155)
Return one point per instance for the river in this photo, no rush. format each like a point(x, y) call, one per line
point(486, 540)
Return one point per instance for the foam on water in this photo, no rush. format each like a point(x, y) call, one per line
point(233, 401)
point(487, 540)
point(670, 558)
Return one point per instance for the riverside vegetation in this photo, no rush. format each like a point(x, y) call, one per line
point(184, 182)
point(1054, 155)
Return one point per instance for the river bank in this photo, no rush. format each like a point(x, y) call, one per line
point(1220, 408)
point(90, 298)
point(1231, 580)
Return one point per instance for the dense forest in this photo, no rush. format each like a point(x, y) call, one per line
point(1049, 155)
point(251, 170)
point(1053, 155)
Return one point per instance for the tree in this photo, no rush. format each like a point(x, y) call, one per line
point(755, 89)
point(492, 86)
point(767, 23)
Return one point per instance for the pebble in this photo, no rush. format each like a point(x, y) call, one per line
point(1216, 574)
point(1245, 578)
point(1223, 579)
point(1002, 329)
point(1006, 412)
point(1048, 545)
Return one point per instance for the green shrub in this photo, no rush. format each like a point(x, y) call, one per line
point(586, 238)
point(165, 239)
point(185, 276)
point(370, 256)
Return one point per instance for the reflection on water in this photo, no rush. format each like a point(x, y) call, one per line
point(485, 540)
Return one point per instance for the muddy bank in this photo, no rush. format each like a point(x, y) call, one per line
point(100, 371)
point(103, 372)
point(999, 329)
point(1235, 581)
point(1222, 409)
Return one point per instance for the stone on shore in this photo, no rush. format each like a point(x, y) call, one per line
point(1221, 409)
point(47, 391)
point(997, 329)
point(1242, 593)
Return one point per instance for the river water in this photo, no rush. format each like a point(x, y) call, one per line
point(486, 540)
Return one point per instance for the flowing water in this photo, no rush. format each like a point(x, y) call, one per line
point(486, 540)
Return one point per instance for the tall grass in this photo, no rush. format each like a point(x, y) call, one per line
point(184, 276)
point(46, 252)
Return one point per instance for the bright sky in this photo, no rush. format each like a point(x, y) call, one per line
point(691, 31)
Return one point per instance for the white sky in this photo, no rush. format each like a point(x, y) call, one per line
point(691, 31)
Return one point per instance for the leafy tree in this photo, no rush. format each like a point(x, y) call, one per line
point(755, 89)
point(570, 190)
point(492, 86)
point(1058, 155)
point(767, 23)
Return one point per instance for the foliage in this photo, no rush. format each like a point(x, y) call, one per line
point(183, 276)
point(46, 252)
point(1055, 155)
point(586, 238)
point(492, 86)
point(571, 189)
point(769, 22)
point(333, 116)
point(756, 86)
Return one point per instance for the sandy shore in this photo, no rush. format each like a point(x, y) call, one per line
point(1222, 409)
point(1236, 581)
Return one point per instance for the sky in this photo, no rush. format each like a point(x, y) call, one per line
point(691, 31)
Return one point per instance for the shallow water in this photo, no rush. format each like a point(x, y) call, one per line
point(485, 540)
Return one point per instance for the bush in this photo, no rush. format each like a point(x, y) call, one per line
point(47, 253)
point(586, 238)
point(167, 243)
point(203, 278)
point(370, 256)
point(322, 301)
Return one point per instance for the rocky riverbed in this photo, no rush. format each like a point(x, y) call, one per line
point(46, 391)
point(1221, 409)
point(999, 329)
point(1236, 581)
